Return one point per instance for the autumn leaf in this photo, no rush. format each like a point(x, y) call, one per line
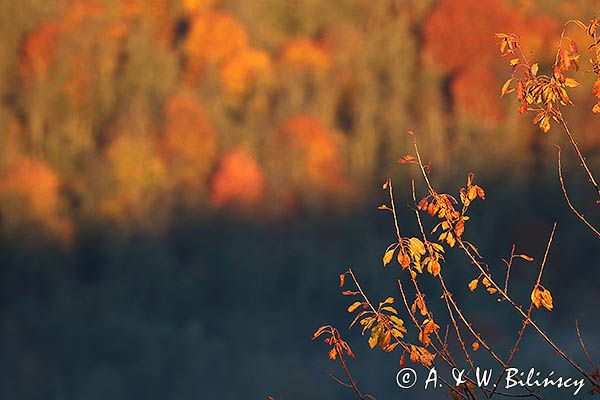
point(475, 346)
point(570, 82)
point(420, 304)
point(354, 306)
point(342, 279)
point(534, 69)
point(434, 267)
point(547, 300)
point(505, 87)
point(416, 245)
point(406, 159)
point(389, 254)
point(541, 297)
point(473, 284)
point(332, 354)
point(421, 355)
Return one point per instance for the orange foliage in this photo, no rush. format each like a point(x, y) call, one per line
point(472, 97)
point(214, 37)
point(199, 6)
point(243, 70)
point(34, 185)
point(539, 34)
point(80, 11)
point(39, 50)
point(305, 54)
point(317, 148)
point(238, 182)
point(189, 141)
point(459, 33)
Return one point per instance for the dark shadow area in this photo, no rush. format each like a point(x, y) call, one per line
point(224, 307)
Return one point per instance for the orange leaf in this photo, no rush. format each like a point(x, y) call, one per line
point(473, 284)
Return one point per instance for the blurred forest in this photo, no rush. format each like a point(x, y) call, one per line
point(181, 181)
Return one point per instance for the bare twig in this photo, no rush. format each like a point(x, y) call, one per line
point(594, 366)
point(581, 157)
point(564, 190)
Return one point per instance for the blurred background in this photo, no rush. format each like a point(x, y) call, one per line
point(182, 181)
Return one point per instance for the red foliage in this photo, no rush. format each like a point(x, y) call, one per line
point(39, 50)
point(238, 182)
point(472, 97)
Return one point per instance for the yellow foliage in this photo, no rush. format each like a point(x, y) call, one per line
point(246, 68)
point(139, 178)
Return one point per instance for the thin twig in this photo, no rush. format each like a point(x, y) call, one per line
point(564, 190)
point(583, 346)
point(581, 158)
point(515, 348)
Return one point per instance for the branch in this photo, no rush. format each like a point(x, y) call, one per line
point(564, 190)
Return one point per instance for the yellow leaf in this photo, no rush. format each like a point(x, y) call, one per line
point(570, 82)
point(475, 346)
point(534, 69)
point(389, 254)
point(354, 306)
point(373, 341)
point(505, 87)
point(547, 300)
point(473, 284)
point(525, 257)
point(416, 246)
point(596, 108)
point(536, 297)
point(514, 62)
point(545, 124)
